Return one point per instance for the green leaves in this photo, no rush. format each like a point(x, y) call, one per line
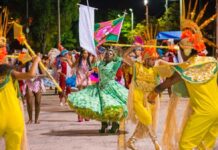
point(170, 19)
point(44, 27)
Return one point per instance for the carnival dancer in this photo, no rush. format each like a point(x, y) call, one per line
point(12, 121)
point(34, 89)
point(83, 66)
point(200, 76)
point(200, 84)
point(65, 71)
point(106, 100)
point(145, 78)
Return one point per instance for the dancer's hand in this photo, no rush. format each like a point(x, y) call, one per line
point(37, 59)
point(152, 96)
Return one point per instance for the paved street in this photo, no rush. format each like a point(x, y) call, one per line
point(59, 129)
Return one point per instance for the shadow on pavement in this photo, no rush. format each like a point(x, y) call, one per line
point(76, 133)
point(58, 111)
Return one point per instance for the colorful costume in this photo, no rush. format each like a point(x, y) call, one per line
point(145, 78)
point(200, 76)
point(65, 73)
point(143, 82)
point(12, 122)
point(140, 111)
point(201, 100)
point(82, 79)
point(104, 101)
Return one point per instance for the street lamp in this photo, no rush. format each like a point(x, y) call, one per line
point(132, 18)
point(146, 7)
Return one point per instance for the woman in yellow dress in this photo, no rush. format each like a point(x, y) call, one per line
point(12, 121)
point(200, 76)
point(145, 78)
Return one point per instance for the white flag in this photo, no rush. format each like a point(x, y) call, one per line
point(86, 28)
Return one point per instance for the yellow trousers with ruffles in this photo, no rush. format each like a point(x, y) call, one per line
point(145, 112)
point(201, 129)
point(11, 118)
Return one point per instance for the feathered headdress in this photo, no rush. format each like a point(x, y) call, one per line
point(192, 37)
point(3, 50)
point(150, 52)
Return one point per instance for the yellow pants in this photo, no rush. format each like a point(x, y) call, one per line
point(141, 107)
point(11, 118)
point(200, 131)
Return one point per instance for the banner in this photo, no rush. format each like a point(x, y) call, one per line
point(86, 28)
point(108, 31)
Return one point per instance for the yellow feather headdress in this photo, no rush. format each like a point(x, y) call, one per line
point(191, 21)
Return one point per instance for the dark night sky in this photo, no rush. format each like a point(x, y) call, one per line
point(156, 7)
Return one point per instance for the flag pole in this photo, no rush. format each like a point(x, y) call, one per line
point(124, 15)
point(84, 5)
point(19, 35)
point(145, 46)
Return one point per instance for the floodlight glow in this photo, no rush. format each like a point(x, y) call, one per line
point(145, 2)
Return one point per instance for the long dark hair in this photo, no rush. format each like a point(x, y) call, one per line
point(27, 67)
point(81, 57)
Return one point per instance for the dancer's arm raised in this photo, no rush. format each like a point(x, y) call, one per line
point(126, 57)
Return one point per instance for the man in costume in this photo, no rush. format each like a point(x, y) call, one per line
point(200, 76)
point(194, 21)
point(145, 78)
point(65, 71)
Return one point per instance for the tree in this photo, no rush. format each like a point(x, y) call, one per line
point(140, 29)
point(69, 14)
point(170, 20)
point(43, 28)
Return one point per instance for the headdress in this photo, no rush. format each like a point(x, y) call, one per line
point(150, 52)
point(138, 40)
point(192, 37)
point(101, 49)
point(3, 50)
point(64, 52)
point(112, 49)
